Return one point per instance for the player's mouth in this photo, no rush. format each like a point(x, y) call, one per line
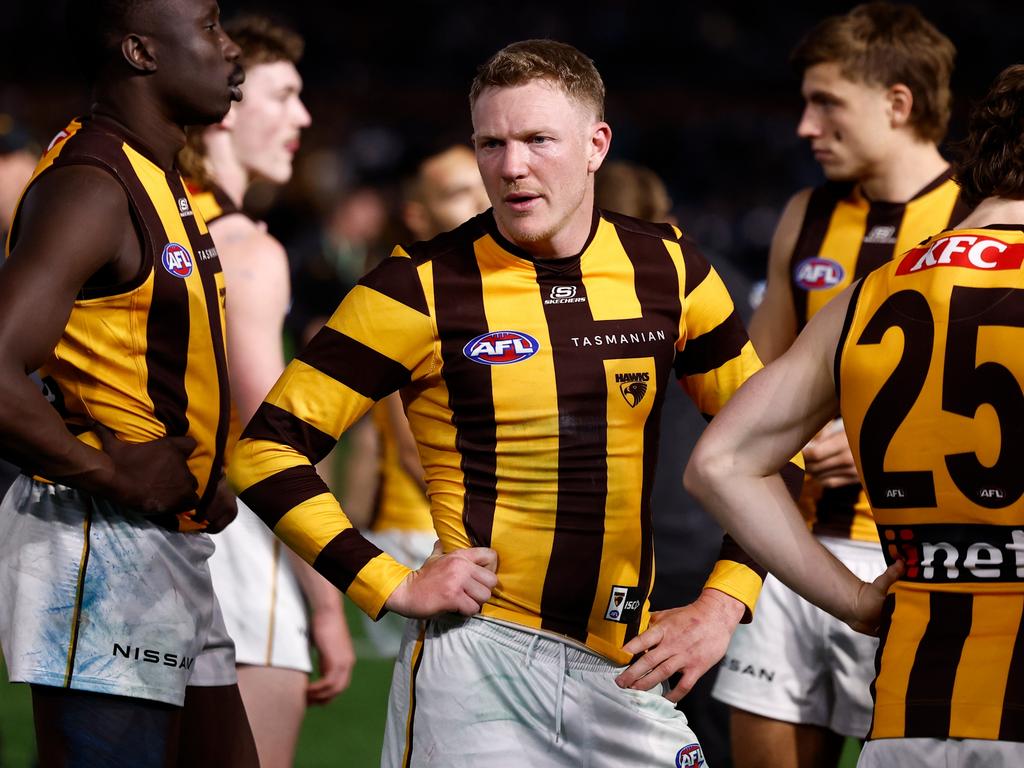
point(292, 146)
point(234, 83)
point(521, 202)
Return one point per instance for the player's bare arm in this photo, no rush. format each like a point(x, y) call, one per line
point(96, 244)
point(408, 454)
point(733, 472)
point(773, 326)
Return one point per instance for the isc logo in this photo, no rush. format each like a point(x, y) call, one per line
point(501, 348)
point(177, 260)
point(818, 274)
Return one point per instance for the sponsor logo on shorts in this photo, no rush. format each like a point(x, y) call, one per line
point(624, 604)
point(949, 553)
point(818, 274)
point(501, 348)
point(690, 756)
point(632, 386)
point(153, 656)
point(564, 294)
point(733, 664)
point(970, 251)
point(177, 260)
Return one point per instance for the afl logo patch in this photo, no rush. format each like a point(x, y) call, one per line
point(177, 260)
point(501, 348)
point(690, 756)
point(818, 274)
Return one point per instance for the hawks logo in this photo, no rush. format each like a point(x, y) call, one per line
point(632, 387)
point(818, 274)
point(177, 260)
point(690, 756)
point(501, 348)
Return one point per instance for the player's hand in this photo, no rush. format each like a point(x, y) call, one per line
point(829, 458)
point(337, 656)
point(867, 609)
point(152, 478)
point(690, 640)
point(221, 510)
point(459, 582)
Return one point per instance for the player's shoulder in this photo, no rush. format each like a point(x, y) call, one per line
point(641, 227)
point(448, 244)
point(242, 241)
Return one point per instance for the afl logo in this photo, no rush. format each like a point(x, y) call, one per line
point(177, 260)
point(501, 348)
point(690, 756)
point(818, 274)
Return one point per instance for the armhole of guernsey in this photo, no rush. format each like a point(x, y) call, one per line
point(837, 362)
point(107, 153)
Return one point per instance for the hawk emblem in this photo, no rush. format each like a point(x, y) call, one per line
point(633, 392)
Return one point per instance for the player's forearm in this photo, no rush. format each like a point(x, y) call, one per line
point(33, 436)
point(321, 595)
point(760, 514)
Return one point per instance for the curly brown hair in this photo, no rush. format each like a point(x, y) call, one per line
point(990, 161)
point(884, 44)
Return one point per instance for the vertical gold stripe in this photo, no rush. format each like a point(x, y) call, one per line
point(414, 664)
point(275, 561)
point(926, 216)
point(842, 244)
point(909, 621)
point(79, 588)
point(526, 427)
point(606, 269)
point(977, 706)
point(675, 252)
point(625, 460)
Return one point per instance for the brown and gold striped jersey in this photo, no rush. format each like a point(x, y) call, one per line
point(146, 359)
point(929, 370)
point(533, 388)
point(844, 236)
point(213, 202)
point(400, 504)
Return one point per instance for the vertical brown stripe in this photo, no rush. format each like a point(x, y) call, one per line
point(167, 329)
point(885, 625)
point(1011, 726)
point(930, 686)
point(812, 234)
point(208, 270)
point(575, 563)
point(657, 289)
point(459, 308)
point(872, 255)
point(76, 621)
point(418, 650)
point(837, 362)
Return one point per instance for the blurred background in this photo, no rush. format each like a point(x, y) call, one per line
point(701, 93)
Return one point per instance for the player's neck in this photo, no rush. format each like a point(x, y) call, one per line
point(994, 210)
point(141, 117)
point(226, 170)
point(905, 174)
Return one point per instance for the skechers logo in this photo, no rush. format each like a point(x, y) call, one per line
point(632, 386)
point(150, 656)
point(183, 207)
point(951, 553)
point(818, 274)
point(881, 235)
point(501, 348)
point(177, 260)
point(564, 294)
point(963, 251)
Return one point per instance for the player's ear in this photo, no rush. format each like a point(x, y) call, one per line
point(901, 104)
point(600, 143)
point(137, 51)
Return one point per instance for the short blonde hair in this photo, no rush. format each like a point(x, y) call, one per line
point(528, 60)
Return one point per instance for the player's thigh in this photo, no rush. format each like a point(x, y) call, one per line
point(760, 742)
point(275, 702)
point(97, 730)
point(215, 731)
